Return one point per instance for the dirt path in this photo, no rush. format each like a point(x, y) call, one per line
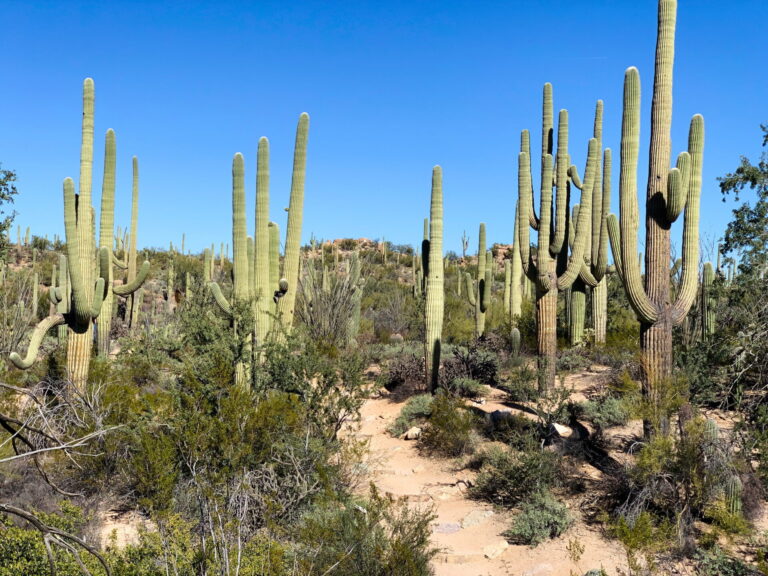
point(467, 531)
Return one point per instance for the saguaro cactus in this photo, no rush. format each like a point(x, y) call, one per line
point(669, 192)
point(435, 297)
point(286, 305)
point(553, 269)
point(86, 288)
point(707, 301)
point(106, 237)
point(479, 291)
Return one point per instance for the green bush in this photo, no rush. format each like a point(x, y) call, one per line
point(542, 517)
point(466, 388)
point(416, 410)
point(604, 412)
point(376, 537)
point(449, 429)
point(507, 478)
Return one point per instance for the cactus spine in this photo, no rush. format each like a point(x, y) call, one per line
point(435, 292)
point(669, 192)
point(286, 306)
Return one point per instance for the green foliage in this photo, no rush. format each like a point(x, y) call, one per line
point(507, 478)
point(642, 538)
point(604, 412)
point(449, 431)
point(7, 193)
point(415, 411)
point(374, 537)
point(542, 517)
point(716, 562)
point(466, 388)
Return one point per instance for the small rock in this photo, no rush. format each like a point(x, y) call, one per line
point(446, 528)
point(413, 434)
point(495, 550)
point(564, 431)
point(475, 517)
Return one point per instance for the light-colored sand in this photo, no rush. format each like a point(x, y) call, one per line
point(467, 531)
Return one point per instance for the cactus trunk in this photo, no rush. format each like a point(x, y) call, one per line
point(435, 297)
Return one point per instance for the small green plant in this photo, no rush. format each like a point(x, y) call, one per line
point(416, 410)
point(449, 431)
point(507, 478)
point(604, 412)
point(466, 388)
point(542, 517)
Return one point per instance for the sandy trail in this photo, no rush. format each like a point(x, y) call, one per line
point(468, 532)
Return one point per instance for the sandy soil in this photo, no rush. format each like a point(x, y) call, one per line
point(469, 532)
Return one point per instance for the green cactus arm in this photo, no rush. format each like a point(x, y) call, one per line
point(524, 202)
point(571, 228)
point(525, 146)
point(79, 306)
point(507, 284)
point(36, 339)
point(615, 236)
point(240, 285)
point(131, 287)
point(630, 217)
point(98, 298)
point(220, 299)
point(485, 290)
point(583, 225)
point(600, 257)
point(593, 247)
point(678, 182)
point(107, 217)
point(121, 264)
point(262, 287)
point(545, 225)
point(470, 289)
point(287, 305)
point(689, 282)
point(561, 183)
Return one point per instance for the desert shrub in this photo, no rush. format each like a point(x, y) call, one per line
point(643, 537)
point(416, 410)
point(406, 369)
point(511, 428)
point(542, 517)
point(506, 478)
point(604, 412)
point(449, 431)
point(375, 537)
point(715, 562)
point(521, 386)
point(466, 388)
point(573, 360)
point(478, 363)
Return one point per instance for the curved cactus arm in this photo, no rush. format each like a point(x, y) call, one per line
point(583, 225)
point(615, 237)
point(485, 290)
point(678, 182)
point(646, 310)
point(470, 289)
point(525, 146)
point(220, 299)
point(600, 255)
point(689, 282)
point(525, 203)
point(98, 297)
point(79, 308)
point(54, 295)
point(34, 343)
point(131, 287)
point(121, 264)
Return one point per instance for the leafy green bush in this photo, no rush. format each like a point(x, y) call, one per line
point(376, 537)
point(605, 412)
point(542, 517)
point(449, 431)
point(715, 562)
point(507, 478)
point(466, 388)
point(416, 410)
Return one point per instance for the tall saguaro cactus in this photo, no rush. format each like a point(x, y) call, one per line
point(106, 236)
point(552, 269)
point(669, 192)
point(479, 292)
point(85, 286)
point(435, 298)
point(286, 305)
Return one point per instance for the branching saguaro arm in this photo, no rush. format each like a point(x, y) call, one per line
point(669, 193)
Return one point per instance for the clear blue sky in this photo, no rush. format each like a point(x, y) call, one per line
point(392, 89)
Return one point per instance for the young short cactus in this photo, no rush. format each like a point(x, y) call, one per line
point(707, 301)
